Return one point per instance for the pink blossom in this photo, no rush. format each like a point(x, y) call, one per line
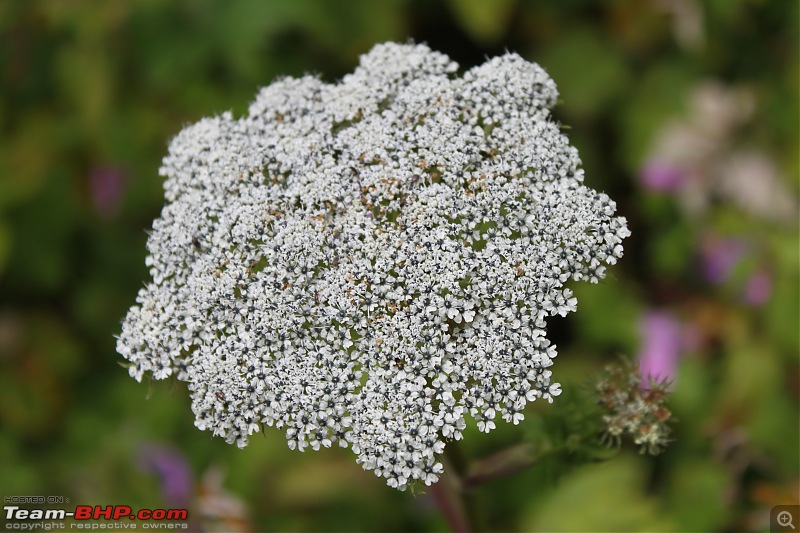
point(758, 288)
point(173, 469)
point(719, 256)
point(662, 344)
point(661, 176)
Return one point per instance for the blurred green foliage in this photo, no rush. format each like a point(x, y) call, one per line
point(92, 90)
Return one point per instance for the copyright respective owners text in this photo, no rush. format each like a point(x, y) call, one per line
point(49, 513)
point(784, 518)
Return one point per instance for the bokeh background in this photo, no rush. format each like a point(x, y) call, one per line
point(684, 111)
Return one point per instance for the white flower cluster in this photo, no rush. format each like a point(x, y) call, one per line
point(367, 263)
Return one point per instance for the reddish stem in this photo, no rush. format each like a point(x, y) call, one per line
point(447, 496)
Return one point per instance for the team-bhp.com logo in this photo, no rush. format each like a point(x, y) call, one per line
point(16, 516)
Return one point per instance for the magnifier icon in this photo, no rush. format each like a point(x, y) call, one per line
point(785, 519)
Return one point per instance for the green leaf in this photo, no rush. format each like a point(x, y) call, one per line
point(608, 316)
point(697, 495)
point(484, 21)
point(588, 70)
point(659, 95)
point(605, 497)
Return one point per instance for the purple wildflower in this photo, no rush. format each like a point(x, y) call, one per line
point(661, 176)
point(662, 344)
point(719, 256)
point(758, 288)
point(173, 469)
